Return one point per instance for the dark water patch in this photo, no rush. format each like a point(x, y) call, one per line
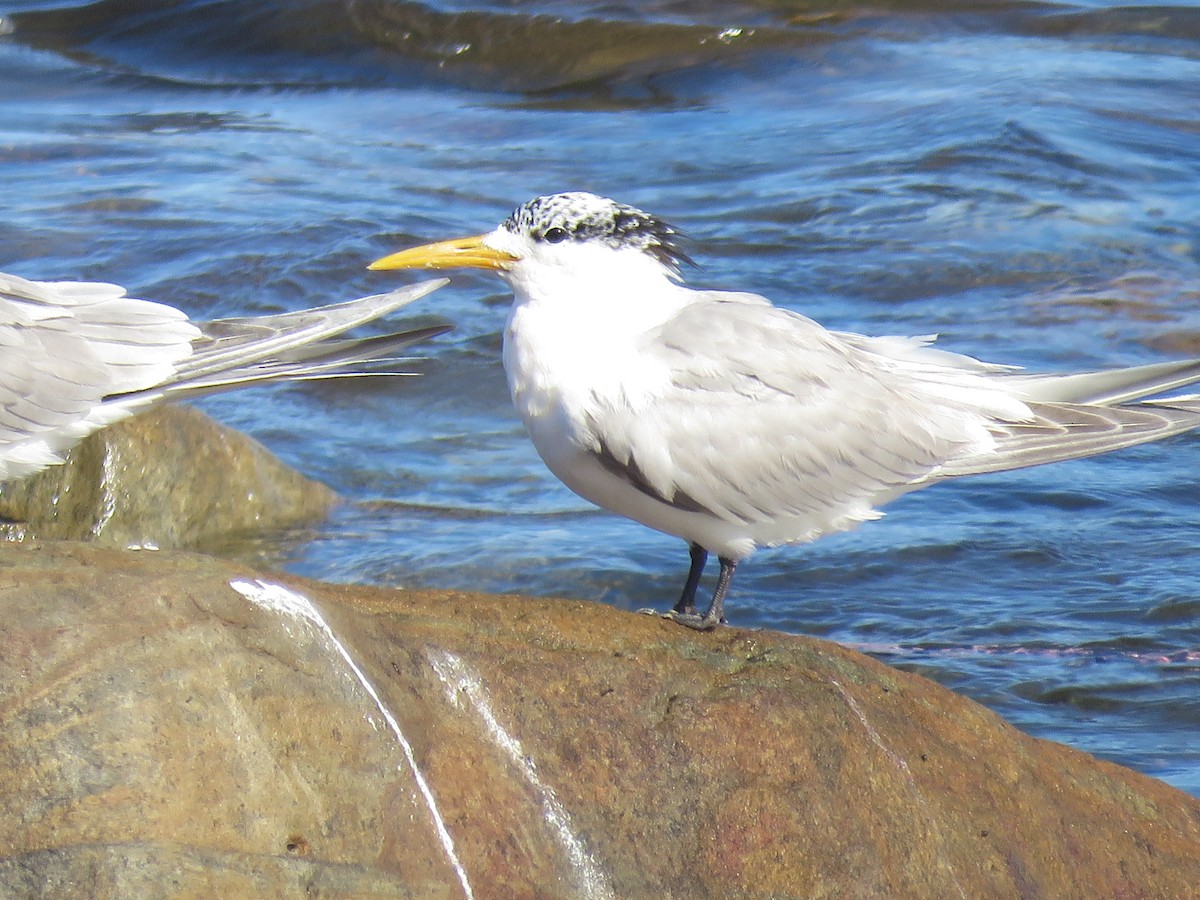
point(183, 122)
point(1019, 154)
point(1183, 342)
point(1178, 26)
point(235, 43)
point(540, 53)
point(1133, 296)
point(218, 42)
point(533, 48)
point(1129, 28)
point(130, 206)
point(1184, 609)
point(1083, 698)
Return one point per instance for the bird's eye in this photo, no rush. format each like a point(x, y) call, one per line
point(554, 235)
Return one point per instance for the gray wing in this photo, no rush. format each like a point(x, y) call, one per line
point(64, 346)
point(1049, 417)
point(1066, 416)
point(75, 356)
point(768, 415)
point(1110, 387)
point(298, 345)
point(1062, 431)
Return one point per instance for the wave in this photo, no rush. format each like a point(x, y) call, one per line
point(532, 53)
point(525, 49)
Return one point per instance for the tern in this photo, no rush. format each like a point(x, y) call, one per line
point(76, 356)
point(734, 424)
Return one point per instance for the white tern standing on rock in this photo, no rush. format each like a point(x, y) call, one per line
point(732, 423)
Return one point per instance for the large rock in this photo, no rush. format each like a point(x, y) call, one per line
point(176, 725)
point(170, 478)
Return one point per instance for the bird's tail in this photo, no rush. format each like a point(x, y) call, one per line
point(1107, 388)
point(1087, 414)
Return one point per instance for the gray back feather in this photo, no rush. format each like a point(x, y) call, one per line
point(772, 417)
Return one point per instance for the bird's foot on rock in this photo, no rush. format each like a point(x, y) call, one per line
point(688, 617)
point(693, 620)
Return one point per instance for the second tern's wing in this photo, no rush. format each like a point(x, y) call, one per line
point(64, 347)
point(296, 345)
point(76, 356)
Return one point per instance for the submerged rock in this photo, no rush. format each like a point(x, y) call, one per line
point(169, 478)
point(174, 720)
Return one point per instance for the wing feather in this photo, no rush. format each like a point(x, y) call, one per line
point(1071, 431)
point(772, 421)
point(75, 356)
point(66, 345)
point(768, 416)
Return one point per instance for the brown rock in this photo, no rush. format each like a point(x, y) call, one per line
point(166, 732)
point(170, 478)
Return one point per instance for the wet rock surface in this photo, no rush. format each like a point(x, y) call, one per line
point(169, 478)
point(182, 725)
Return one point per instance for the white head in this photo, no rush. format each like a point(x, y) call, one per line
point(559, 242)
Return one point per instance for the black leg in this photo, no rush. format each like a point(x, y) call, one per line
point(687, 600)
point(716, 611)
point(714, 616)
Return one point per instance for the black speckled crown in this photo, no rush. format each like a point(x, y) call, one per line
point(580, 216)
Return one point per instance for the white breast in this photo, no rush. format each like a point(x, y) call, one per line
point(562, 364)
point(559, 369)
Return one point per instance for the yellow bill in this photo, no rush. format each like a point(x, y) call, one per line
point(462, 253)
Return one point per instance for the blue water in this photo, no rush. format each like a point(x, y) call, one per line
point(1022, 178)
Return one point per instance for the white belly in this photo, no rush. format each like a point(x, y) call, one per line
point(551, 390)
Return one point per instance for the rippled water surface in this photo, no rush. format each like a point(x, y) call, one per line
point(1021, 177)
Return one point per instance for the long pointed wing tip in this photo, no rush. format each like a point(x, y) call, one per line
point(409, 293)
point(423, 288)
